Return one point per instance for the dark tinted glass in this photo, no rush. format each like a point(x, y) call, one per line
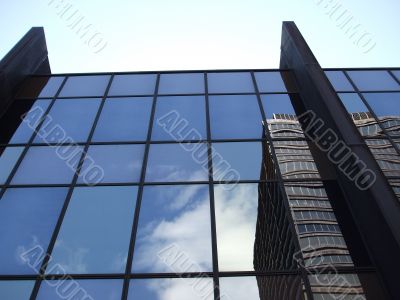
point(27, 220)
point(80, 86)
point(173, 219)
point(8, 159)
point(25, 129)
point(353, 103)
point(124, 119)
point(237, 161)
point(95, 234)
point(171, 288)
point(235, 117)
point(236, 217)
point(48, 165)
point(120, 163)
point(277, 104)
point(84, 289)
point(177, 162)
point(374, 80)
point(68, 118)
point(180, 118)
point(269, 82)
point(134, 84)
point(339, 81)
point(185, 83)
point(16, 289)
point(45, 87)
point(230, 83)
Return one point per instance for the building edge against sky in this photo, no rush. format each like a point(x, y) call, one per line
point(374, 222)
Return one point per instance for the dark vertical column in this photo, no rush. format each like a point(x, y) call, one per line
point(28, 56)
point(375, 211)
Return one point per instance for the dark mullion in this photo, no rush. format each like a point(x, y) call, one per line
point(360, 94)
point(125, 289)
point(394, 76)
point(281, 185)
point(68, 198)
point(214, 247)
point(29, 144)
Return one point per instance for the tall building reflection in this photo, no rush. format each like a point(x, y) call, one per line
point(304, 202)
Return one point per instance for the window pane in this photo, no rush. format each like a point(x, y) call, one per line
point(177, 162)
point(124, 119)
point(73, 118)
point(95, 234)
point(96, 289)
point(120, 163)
point(269, 82)
point(23, 133)
point(184, 83)
point(177, 215)
point(27, 220)
point(374, 80)
point(397, 74)
point(47, 165)
point(277, 104)
point(180, 118)
point(134, 84)
point(16, 289)
point(171, 288)
point(80, 86)
point(45, 87)
point(353, 103)
point(339, 81)
point(237, 161)
point(230, 83)
point(235, 117)
point(8, 159)
point(387, 107)
point(236, 217)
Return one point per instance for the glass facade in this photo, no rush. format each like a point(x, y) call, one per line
point(185, 185)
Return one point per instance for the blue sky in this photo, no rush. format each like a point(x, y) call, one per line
point(207, 34)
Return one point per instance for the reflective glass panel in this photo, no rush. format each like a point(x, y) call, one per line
point(236, 217)
point(240, 82)
point(353, 103)
point(81, 86)
point(171, 288)
point(8, 159)
point(124, 119)
point(180, 118)
point(177, 215)
point(387, 108)
point(185, 83)
point(270, 82)
point(339, 81)
point(373, 80)
point(235, 117)
point(384, 104)
point(119, 163)
point(95, 233)
point(237, 161)
point(397, 74)
point(81, 289)
point(45, 87)
point(16, 289)
point(68, 118)
point(32, 119)
point(27, 220)
point(177, 162)
point(133, 84)
point(277, 104)
point(48, 165)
